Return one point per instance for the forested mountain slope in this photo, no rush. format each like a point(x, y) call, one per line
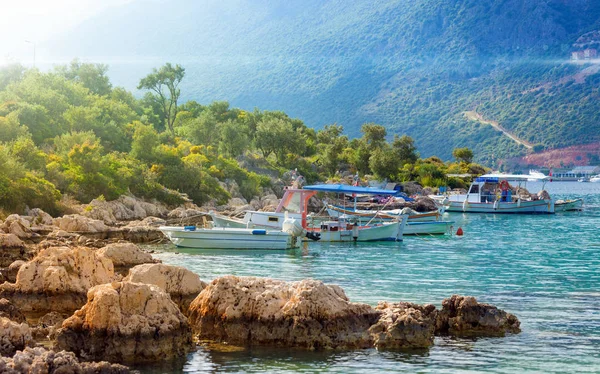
point(414, 66)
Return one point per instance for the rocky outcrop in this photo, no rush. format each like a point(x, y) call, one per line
point(39, 360)
point(79, 223)
point(124, 256)
point(47, 326)
point(306, 314)
point(12, 249)
point(125, 208)
point(464, 316)
point(8, 310)
point(404, 325)
point(57, 279)
point(128, 323)
point(13, 336)
point(18, 226)
point(181, 284)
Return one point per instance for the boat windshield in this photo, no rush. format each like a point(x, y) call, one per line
point(294, 204)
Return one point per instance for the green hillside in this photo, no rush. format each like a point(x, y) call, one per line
point(412, 66)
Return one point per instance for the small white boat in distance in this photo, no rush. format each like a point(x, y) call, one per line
point(491, 193)
point(568, 205)
point(595, 178)
point(229, 238)
point(535, 176)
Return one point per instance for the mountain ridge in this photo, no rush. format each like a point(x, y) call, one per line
point(413, 66)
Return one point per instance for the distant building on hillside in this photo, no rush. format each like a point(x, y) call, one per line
point(585, 54)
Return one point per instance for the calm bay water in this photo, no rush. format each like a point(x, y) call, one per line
point(543, 269)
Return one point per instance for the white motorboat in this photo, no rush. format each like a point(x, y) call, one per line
point(229, 238)
point(491, 193)
point(568, 205)
point(236, 238)
point(595, 178)
point(295, 204)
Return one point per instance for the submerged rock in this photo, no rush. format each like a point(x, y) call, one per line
point(13, 336)
point(404, 325)
point(181, 284)
point(464, 316)
point(128, 323)
point(57, 279)
point(307, 314)
point(39, 360)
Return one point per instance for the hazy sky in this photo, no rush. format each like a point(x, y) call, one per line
point(38, 20)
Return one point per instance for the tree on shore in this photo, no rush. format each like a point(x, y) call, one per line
point(164, 82)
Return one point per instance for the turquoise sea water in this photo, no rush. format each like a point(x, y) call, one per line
point(544, 269)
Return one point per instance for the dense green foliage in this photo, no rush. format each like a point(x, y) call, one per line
point(69, 132)
point(414, 66)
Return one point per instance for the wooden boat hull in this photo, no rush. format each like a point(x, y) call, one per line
point(524, 207)
point(364, 216)
point(229, 238)
point(428, 228)
point(387, 231)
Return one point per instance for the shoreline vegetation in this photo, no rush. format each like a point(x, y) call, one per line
point(78, 294)
point(68, 136)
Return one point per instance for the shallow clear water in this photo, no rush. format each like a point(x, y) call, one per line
point(544, 269)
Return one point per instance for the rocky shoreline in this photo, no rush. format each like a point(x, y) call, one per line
point(80, 285)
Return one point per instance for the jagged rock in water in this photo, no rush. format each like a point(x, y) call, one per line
point(8, 310)
point(128, 323)
point(404, 325)
point(39, 360)
point(464, 316)
point(79, 223)
point(181, 284)
point(47, 326)
point(13, 336)
point(424, 204)
point(306, 314)
point(57, 279)
point(124, 256)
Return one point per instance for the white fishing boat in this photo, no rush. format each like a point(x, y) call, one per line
point(229, 238)
point(491, 193)
point(236, 238)
point(429, 223)
point(568, 205)
point(295, 203)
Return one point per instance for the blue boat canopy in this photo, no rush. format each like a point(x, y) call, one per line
point(344, 188)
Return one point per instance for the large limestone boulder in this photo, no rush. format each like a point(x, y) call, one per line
point(307, 314)
point(58, 279)
point(464, 316)
point(124, 256)
point(39, 360)
point(404, 325)
point(128, 323)
point(13, 336)
point(181, 284)
point(79, 223)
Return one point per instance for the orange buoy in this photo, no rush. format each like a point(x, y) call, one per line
point(459, 232)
